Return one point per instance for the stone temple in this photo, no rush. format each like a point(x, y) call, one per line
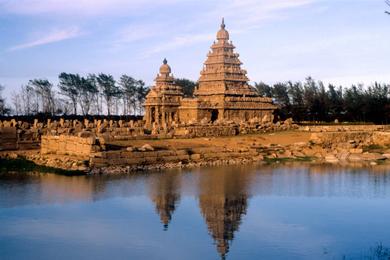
point(223, 93)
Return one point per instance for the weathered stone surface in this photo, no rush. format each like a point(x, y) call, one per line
point(146, 147)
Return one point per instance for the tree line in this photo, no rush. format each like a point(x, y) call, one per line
point(312, 101)
point(92, 94)
point(83, 95)
point(101, 94)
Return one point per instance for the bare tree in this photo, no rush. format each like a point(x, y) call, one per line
point(27, 99)
point(3, 109)
point(45, 94)
point(16, 100)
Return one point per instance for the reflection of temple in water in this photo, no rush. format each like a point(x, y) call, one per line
point(223, 200)
point(165, 193)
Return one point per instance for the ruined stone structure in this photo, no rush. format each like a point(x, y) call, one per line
point(223, 93)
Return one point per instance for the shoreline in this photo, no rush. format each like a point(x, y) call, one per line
point(327, 145)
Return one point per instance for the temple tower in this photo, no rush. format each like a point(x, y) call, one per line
point(163, 100)
point(222, 73)
point(224, 92)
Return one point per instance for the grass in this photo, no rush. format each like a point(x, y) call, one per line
point(373, 148)
point(284, 160)
point(23, 165)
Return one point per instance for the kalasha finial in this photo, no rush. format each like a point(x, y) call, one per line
point(165, 61)
point(223, 23)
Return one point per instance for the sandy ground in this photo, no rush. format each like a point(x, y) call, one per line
point(281, 138)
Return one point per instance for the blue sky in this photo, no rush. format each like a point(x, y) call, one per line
point(340, 41)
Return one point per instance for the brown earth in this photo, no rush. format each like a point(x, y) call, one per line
point(280, 138)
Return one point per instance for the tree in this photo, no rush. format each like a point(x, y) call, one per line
point(16, 100)
point(27, 99)
point(335, 99)
point(45, 95)
point(280, 95)
point(141, 92)
point(108, 88)
point(188, 86)
point(354, 103)
point(87, 93)
point(263, 89)
point(388, 3)
point(3, 109)
point(295, 92)
point(128, 86)
point(69, 87)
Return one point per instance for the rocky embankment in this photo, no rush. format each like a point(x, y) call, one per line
point(365, 148)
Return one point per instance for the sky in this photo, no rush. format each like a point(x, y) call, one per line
point(339, 41)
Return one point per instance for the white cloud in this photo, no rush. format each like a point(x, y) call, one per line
point(249, 13)
point(246, 14)
point(135, 32)
point(71, 7)
point(180, 41)
point(55, 36)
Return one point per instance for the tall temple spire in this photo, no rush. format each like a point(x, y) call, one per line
point(223, 23)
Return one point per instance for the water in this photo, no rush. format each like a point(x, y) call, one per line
point(233, 213)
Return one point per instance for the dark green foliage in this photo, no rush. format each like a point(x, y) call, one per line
point(23, 165)
point(188, 86)
point(313, 101)
point(263, 89)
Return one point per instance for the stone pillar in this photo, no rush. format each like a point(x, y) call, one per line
point(221, 114)
point(164, 117)
point(156, 115)
point(147, 117)
point(170, 118)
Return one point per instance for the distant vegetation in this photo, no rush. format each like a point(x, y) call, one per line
point(3, 109)
point(312, 101)
point(83, 95)
point(103, 95)
point(92, 94)
point(388, 3)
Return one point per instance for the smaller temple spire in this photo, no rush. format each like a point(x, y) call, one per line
point(223, 23)
point(165, 61)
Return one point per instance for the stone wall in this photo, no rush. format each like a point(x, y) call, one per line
point(381, 138)
point(81, 147)
point(163, 158)
point(206, 131)
point(332, 139)
point(8, 138)
point(27, 135)
point(344, 128)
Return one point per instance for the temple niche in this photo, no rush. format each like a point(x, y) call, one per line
point(223, 93)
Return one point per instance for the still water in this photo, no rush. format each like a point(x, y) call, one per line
point(233, 213)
